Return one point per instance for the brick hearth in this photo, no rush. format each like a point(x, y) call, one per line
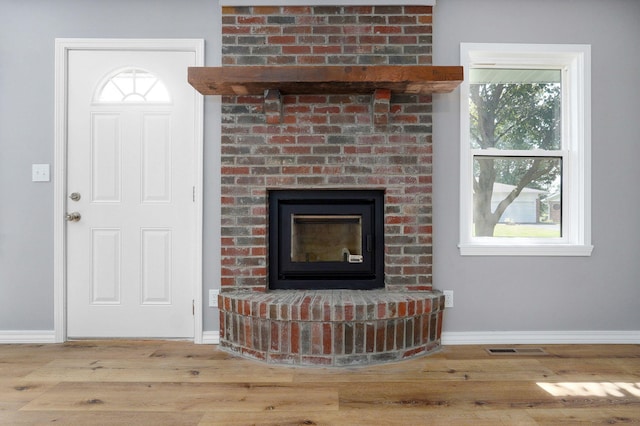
point(332, 327)
point(328, 141)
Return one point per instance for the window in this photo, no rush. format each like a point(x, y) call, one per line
point(525, 150)
point(133, 86)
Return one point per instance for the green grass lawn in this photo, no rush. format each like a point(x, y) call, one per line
point(536, 231)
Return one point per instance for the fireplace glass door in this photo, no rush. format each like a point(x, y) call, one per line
point(325, 239)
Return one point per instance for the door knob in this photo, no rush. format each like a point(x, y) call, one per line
point(73, 217)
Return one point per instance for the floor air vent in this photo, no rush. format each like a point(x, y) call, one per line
point(516, 351)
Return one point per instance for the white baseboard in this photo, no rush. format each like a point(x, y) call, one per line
point(49, 336)
point(448, 338)
point(540, 337)
point(210, 337)
point(27, 336)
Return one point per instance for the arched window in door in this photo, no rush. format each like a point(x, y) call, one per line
point(133, 85)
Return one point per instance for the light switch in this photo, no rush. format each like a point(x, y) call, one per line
point(40, 173)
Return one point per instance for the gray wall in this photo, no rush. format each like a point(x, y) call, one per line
point(491, 293)
point(600, 292)
point(27, 33)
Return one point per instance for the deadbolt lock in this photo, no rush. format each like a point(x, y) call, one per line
point(75, 196)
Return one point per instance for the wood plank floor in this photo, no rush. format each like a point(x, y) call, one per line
point(179, 383)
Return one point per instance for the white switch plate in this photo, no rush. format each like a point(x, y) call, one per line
point(448, 298)
point(40, 173)
point(213, 298)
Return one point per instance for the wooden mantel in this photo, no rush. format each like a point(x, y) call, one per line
point(355, 79)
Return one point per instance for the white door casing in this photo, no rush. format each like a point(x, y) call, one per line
point(132, 265)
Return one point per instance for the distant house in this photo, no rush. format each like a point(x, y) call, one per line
point(524, 209)
point(554, 204)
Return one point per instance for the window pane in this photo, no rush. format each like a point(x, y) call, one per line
point(515, 109)
point(517, 197)
point(134, 86)
point(158, 93)
point(110, 93)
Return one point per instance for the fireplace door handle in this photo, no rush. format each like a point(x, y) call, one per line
point(369, 243)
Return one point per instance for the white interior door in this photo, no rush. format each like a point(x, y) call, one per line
point(131, 181)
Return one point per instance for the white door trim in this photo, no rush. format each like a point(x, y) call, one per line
point(62, 48)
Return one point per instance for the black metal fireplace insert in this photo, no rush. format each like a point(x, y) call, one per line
point(326, 239)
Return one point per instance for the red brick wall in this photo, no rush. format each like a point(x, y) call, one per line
point(327, 140)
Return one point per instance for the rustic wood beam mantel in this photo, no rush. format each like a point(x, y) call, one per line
point(300, 80)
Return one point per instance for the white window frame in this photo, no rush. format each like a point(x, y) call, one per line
point(575, 63)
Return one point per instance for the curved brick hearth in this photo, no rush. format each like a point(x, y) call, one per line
point(331, 327)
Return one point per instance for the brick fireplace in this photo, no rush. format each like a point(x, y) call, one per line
point(379, 141)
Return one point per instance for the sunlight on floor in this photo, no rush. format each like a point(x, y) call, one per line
point(617, 389)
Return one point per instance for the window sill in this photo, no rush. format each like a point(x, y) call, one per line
point(472, 249)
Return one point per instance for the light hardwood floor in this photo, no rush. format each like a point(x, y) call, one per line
point(179, 383)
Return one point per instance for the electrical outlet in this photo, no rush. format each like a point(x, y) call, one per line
point(448, 298)
point(213, 298)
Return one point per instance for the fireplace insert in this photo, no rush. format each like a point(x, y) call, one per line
point(326, 239)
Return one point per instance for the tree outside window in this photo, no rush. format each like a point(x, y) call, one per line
point(514, 111)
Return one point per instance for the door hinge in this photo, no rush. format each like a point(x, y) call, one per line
point(193, 307)
point(193, 194)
